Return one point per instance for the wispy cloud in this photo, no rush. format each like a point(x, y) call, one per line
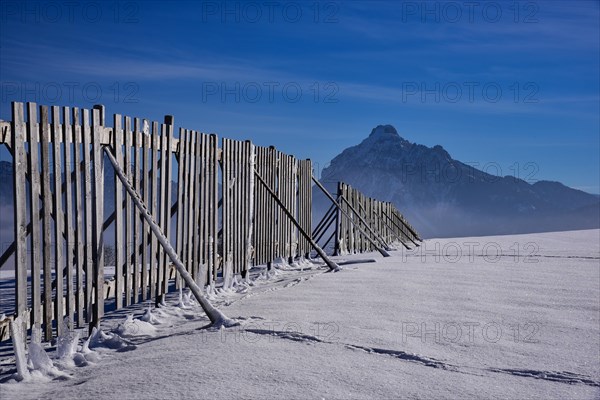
point(395, 95)
point(571, 25)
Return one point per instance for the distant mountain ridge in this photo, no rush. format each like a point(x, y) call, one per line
point(444, 197)
point(440, 196)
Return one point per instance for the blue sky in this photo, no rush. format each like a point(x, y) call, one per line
point(511, 87)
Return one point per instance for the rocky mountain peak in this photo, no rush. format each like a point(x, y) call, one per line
point(384, 131)
point(445, 197)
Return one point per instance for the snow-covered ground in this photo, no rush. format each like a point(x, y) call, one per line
point(489, 317)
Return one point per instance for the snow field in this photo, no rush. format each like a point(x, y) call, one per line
point(422, 323)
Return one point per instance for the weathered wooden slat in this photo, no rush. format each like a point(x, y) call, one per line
point(119, 256)
point(203, 216)
point(288, 197)
point(146, 166)
point(214, 190)
point(271, 206)
point(354, 202)
point(34, 210)
point(79, 215)
point(20, 207)
point(242, 200)
point(268, 213)
point(211, 208)
point(190, 216)
point(350, 227)
point(239, 206)
point(69, 262)
point(291, 208)
point(260, 229)
point(90, 209)
point(47, 223)
point(295, 209)
point(277, 235)
point(245, 198)
point(299, 196)
point(224, 207)
point(197, 219)
point(258, 212)
point(261, 219)
point(98, 122)
point(257, 234)
point(338, 222)
point(281, 188)
point(309, 200)
point(234, 210)
point(186, 195)
point(180, 191)
point(135, 228)
point(250, 167)
point(154, 137)
point(127, 221)
point(231, 203)
point(358, 199)
point(168, 121)
point(58, 219)
point(160, 217)
point(281, 223)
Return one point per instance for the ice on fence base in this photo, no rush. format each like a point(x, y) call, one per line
point(202, 273)
point(108, 340)
point(85, 347)
point(37, 360)
point(18, 334)
point(150, 317)
point(185, 299)
point(188, 300)
point(228, 273)
point(134, 327)
point(181, 303)
point(66, 343)
point(40, 362)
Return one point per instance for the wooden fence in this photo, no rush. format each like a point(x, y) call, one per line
point(219, 221)
point(69, 206)
point(361, 223)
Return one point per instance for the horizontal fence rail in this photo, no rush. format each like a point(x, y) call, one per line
point(82, 247)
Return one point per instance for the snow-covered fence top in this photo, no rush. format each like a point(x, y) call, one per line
point(81, 246)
